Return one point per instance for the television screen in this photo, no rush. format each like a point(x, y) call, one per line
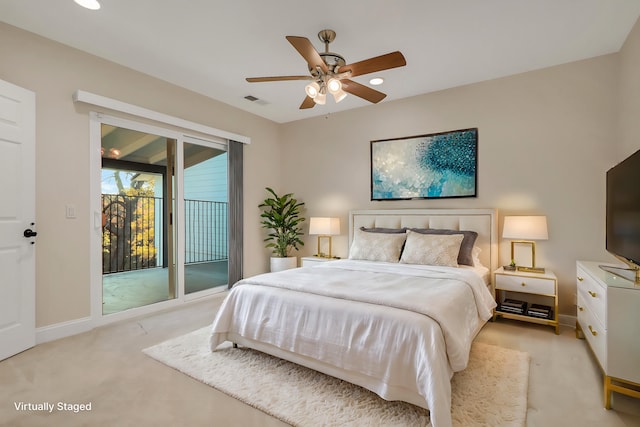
point(623, 209)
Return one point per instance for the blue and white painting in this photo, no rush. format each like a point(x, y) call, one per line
point(438, 165)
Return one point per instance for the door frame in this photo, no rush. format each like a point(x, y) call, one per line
point(95, 139)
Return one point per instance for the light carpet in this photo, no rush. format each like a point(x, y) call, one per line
point(492, 391)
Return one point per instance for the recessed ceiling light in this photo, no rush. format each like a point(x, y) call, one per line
point(376, 81)
point(89, 4)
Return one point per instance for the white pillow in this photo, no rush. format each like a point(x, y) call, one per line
point(376, 246)
point(475, 253)
point(432, 249)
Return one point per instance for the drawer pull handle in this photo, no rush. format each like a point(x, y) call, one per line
point(581, 308)
point(593, 294)
point(594, 333)
point(580, 279)
point(524, 284)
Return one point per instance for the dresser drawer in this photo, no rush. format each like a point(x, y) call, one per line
point(593, 295)
point(531, 285)
point(593, 330)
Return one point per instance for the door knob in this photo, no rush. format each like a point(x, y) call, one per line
point(29, 233)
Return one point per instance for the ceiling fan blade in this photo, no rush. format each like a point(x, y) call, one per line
point(307, 103)
point(277, 78)
point(362, 91)
point(372, 65)
point(308, 52)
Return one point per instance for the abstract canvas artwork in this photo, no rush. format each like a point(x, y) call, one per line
point(437, 165)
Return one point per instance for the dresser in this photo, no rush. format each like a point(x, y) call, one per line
point(609, 319)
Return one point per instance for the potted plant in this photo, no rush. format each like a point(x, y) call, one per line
point(281, 216)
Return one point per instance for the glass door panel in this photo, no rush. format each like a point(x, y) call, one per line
point(206, 208)
point(138, 266)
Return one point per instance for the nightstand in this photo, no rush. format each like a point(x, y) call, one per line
point(309, 261)
point(533, 288)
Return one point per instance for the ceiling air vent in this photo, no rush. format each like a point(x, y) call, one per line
point(256, 100)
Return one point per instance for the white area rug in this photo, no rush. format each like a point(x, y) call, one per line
point(492, 391)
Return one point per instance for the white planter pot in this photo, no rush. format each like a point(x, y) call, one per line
point(279, 264)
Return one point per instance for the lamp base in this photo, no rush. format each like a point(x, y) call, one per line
point(325, 256)
point(538, 270)
point(322, 255)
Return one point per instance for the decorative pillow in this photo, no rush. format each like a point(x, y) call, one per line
point(377, 246)
point(384, 230)
point(475, 253)
point(465, 257)
point(432, 249)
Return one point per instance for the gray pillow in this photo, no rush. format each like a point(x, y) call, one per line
point(384, 230)
point(465, 256)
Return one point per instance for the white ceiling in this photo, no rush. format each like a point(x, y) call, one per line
point(210, 46)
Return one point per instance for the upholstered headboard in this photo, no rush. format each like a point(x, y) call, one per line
point(482, 221)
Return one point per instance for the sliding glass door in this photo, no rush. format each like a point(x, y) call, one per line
point(205, 211)
point(164, 204)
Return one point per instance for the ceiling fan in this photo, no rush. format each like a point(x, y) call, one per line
point(329, 72)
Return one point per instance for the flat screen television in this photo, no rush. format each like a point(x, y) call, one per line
point(623, 211)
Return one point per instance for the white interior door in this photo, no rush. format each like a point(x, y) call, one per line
point(17, 215)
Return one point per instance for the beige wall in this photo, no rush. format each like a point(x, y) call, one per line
point(546, 139)
point(54, 72)
point(629, 92)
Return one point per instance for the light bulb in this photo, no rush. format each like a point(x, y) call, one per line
point(334, 85)
point(312, 89)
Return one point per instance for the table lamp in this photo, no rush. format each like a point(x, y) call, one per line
point(526, 229)
point(324, 228)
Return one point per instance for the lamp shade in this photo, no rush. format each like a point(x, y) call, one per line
point(339, 95)
point(312, 89)
point(324, 226)
point(320, 98)
point(525, 227)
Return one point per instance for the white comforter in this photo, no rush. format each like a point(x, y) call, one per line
point(400, 330)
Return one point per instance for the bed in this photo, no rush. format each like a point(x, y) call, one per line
point(398, 317)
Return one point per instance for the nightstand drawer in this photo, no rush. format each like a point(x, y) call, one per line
point(593, 295)
point(526, 284)
point(593, 330)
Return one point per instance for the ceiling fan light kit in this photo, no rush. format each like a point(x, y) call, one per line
point(329, 72)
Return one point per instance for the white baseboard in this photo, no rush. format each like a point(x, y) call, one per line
point(63, 329)
point(85, 324)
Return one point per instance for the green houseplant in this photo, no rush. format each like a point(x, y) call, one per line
point(281, 215)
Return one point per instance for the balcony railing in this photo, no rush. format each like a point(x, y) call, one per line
point(134, 235)
point(206, 235)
